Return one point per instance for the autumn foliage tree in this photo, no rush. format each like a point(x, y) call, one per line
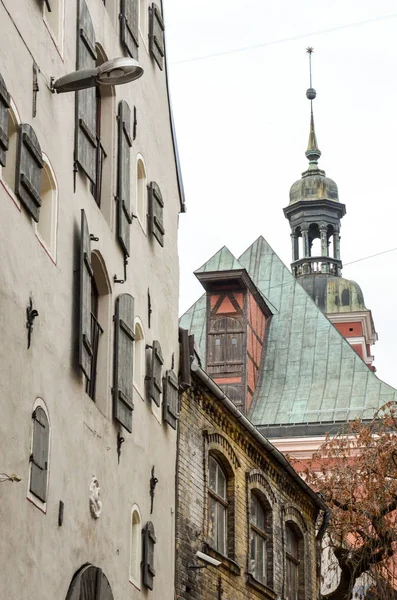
point(356, 473)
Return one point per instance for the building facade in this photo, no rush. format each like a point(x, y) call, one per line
point(90, 196)
point(241, 504)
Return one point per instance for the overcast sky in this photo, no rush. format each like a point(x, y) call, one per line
point(242, 122)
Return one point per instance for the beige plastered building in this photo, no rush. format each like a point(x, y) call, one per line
point(83, 438)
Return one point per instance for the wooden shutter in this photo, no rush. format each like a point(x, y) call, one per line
point(148, 542)
point(129, 23)
point(29, 163)
point(156, 206)
point(171, 399)
point(156, 387)
point(85, 341)
point(156, 35)
point(123, 361)
point(123, 177)
point(4, 106)
point(86, 108)
point(39, 456)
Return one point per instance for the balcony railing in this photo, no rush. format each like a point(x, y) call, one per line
point(317, 264)
point(96, 331)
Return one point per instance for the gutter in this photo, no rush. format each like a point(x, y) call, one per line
point(277, 455)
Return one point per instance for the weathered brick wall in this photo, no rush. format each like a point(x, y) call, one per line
point(207, 426)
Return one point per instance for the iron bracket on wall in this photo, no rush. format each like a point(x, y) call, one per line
point(120, 440)
point(31, 314)
point(116, 279)
point(36, 88)
point(153, 483)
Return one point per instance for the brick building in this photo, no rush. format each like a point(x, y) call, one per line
point(240, 502)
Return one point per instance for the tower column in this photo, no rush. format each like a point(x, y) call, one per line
point(305, 238)
point(337, 245)
point(324, 241)
point(295, 246)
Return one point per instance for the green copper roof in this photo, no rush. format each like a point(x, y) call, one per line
point(309, 372)
point(223, 260)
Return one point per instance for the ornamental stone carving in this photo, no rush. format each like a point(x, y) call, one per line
point(95, 498)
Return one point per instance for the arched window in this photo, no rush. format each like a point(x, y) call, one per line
point(259, 539)
point(139, 357)
point(46, 228)
point(98, 384)
point(8, 172)
point(141, 192)
point(39, 455)
point(135, 547)
point(294, 562)
point(218, 505)
point(54, 19)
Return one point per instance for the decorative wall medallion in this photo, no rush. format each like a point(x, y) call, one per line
point(94, 496)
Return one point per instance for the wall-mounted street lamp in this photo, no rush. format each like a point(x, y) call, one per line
point(208, 560)
point(116, 71)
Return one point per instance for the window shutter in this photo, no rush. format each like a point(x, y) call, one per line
point(86, 109)
point(155, 387)
point(156, 35)
point(148, 542)
point(129, 22)
point(123, 361)
point(186, 353)
point(28, 170)
point(123, 177)
point(39, 457)
point(156, 206)
point(171, 396)
point(4, 106)
point(85, 341)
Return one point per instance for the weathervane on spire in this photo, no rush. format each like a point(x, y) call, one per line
point(312, 153)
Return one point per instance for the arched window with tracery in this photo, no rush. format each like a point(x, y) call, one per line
point(294, 563)
point(218, 506)
point(260, 539)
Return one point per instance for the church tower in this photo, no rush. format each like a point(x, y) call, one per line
point(314, 213)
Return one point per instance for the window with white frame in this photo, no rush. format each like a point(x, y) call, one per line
point(8, 172)
point(141, 191)
point(135, 547)
point(217, 501)
point(53, 16)
point(46, 228)
point(39, 455)
point(139, 357)
point(143, 19)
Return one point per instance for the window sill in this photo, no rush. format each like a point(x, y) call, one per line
point(261, 587)
point(227, 562)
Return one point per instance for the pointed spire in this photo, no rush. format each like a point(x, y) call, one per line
point(313, 152)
